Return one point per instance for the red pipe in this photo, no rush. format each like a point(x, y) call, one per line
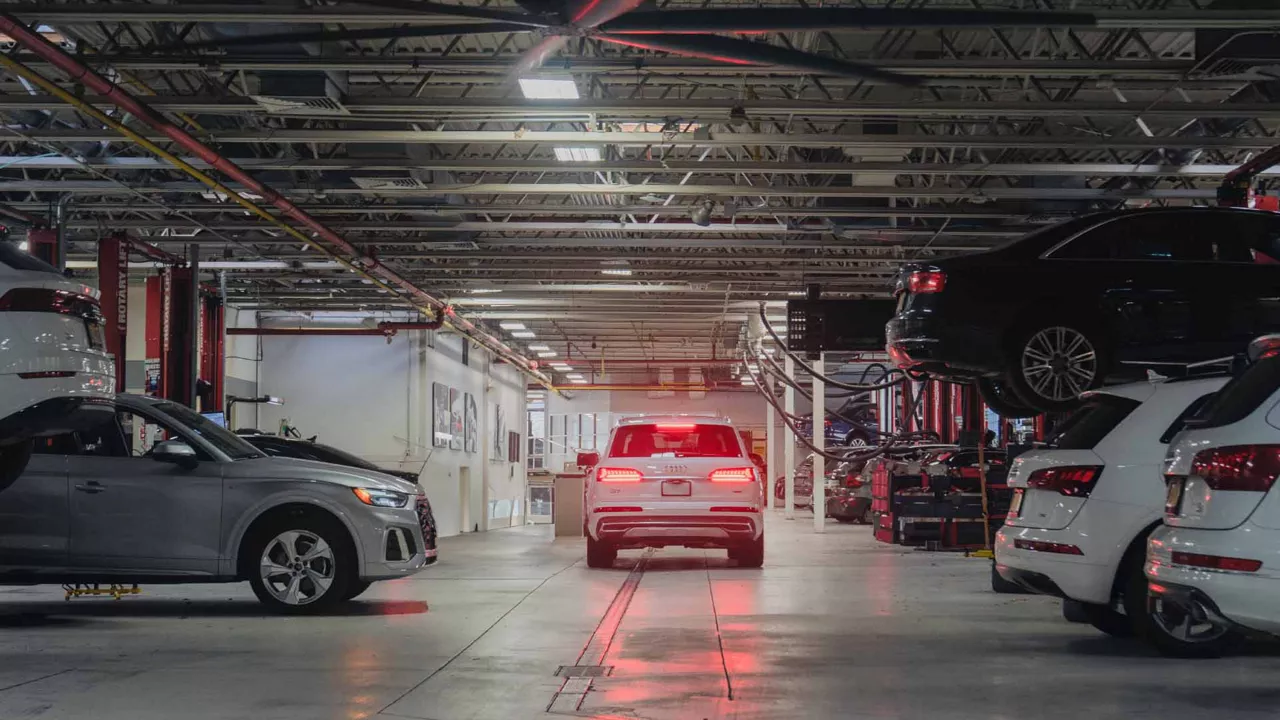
point(117, 96)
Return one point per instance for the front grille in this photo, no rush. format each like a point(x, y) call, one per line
point(426, 521)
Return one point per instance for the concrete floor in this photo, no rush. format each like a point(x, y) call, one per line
point(834, 626)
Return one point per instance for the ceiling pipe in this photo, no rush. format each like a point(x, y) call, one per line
point(350, 256)
point(387, 329)
point(639, 387)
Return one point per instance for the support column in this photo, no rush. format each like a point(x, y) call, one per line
point(789, 442)
point(113, 283)
point(770, 439)
point(820, 443)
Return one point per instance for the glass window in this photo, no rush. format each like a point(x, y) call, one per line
point(1241, 396)
point(143, 432)
point(21, 260)
point(1097, 417)
point(226, 442)
point(675, 440)
point(1179, 422)
point(100, 435)
point(1258, 240)
point(1184, 237)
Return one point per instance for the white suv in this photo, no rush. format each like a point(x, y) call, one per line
point(1214, 567)
point(1084, 506)
point(676, 480)
point(52, 355)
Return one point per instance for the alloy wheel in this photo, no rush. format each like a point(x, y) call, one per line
point(297, 567)
point(1189, 623)
point(1059, 363)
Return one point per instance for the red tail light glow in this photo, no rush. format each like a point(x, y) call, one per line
point(1250, 468)
point(1073, 481)
point(619, 508)
point(609, 474)
point(926, 281)
point(1048, 547)
point(733, 475)
point(676, 427)
point(1216, 562)
point(46, 375)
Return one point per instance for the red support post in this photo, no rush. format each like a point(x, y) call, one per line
point(43, 243)
point(113, 283)
point(176, 382)
point(157, 292)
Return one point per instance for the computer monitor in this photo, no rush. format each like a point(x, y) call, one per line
point(218, 417)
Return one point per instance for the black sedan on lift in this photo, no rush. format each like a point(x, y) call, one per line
point(1061, 310)
point(309, 450)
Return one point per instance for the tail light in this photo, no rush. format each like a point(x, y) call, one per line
point(1073, 481)
point(926, 281)
point(1250, 468)
point(62, 302)
point(676, 427)
point(1216, 562)
point(1048, 547)
point(609, 474)
point(733, 475)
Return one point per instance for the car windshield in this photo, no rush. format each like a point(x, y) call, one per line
point(675, 440)
point(226, 442)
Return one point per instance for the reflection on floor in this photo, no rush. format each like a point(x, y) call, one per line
point(834, 626)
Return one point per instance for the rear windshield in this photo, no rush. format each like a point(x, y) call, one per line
point(18, 260)
point(1086, 427)
point(1241, 396)
point(675, 440)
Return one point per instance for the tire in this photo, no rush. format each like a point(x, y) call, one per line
point(600, 554)
point(290, 584)
point(356, 589)
point(13, 460)
point(857, 438)
point(1050, 364)
point(997, 395)
point(751, 555)
point(1107, 620)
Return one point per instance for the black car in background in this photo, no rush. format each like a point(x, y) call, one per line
point(1059, 311)
point(307, 450)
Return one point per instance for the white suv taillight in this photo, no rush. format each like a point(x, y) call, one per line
point(612, 474)
point(733, 475)
point(1247, 468)
point(1074, 481)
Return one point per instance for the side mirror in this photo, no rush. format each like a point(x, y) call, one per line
point(588, 459)
point(176, 452)
point(757, 460)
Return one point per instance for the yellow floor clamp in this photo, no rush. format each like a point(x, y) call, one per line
point(114, 590)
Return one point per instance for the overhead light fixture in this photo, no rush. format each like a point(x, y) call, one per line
point(701, 213)
point(484, 291)
point(536, 348)
point(748, 381)
point(578, 154)
point(547, 354)
point(549, 88)
point(578, 381)
point(574, 376)
point(511, 325)
point(618, 272)
point(524, 334)
point(24, 246)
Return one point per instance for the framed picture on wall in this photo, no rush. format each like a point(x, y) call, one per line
point(471, 423)
point(440, 420)
point(513, 447)
point(455, 419)
point(498, 451)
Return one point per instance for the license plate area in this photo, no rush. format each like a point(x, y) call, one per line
point(677, 488)
point(96, 334)
point(1173, 496)
point(1016, 504)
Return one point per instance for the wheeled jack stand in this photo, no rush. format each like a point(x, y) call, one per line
point(114, 590)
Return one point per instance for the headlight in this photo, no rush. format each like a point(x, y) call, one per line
point(381, 498)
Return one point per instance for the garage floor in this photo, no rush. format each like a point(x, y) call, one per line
point(834, 626)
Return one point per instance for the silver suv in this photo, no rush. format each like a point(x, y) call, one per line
point(157, 493)
point(674, 480)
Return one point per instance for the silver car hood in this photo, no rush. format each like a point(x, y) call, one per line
point(271, 468)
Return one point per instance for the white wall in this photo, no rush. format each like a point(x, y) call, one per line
point(242, 367)
point(375, 399)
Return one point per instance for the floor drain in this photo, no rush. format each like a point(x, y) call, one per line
point(569, 671)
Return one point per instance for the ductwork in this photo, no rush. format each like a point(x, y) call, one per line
point(320, 236)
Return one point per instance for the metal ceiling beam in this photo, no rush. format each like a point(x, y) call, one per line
point(705, 167)
point(102, 187)
point(1106, 19)
point(683, 139)
point(691, 109)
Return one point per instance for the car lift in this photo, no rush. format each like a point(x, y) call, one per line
point(1237, 190)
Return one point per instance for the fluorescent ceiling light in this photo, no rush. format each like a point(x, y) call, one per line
point(578, 381)
point(536, 348)
point(484, 291)
point(25, 246)
point(511, 325)
point(748, 381)
point(536, 88)
point(574, 376)
point(547, 354)
point(620, 272)
point(578, 154)
point(524, 334)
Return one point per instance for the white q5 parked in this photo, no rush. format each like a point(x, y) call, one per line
point(52, 357)
point(1086, 504)
point(1214, 568)
point(674, 481)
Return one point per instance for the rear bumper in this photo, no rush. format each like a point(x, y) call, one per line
point(1087, 578)
point(1247, 599)
point(658, 530)
point(925, 341)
